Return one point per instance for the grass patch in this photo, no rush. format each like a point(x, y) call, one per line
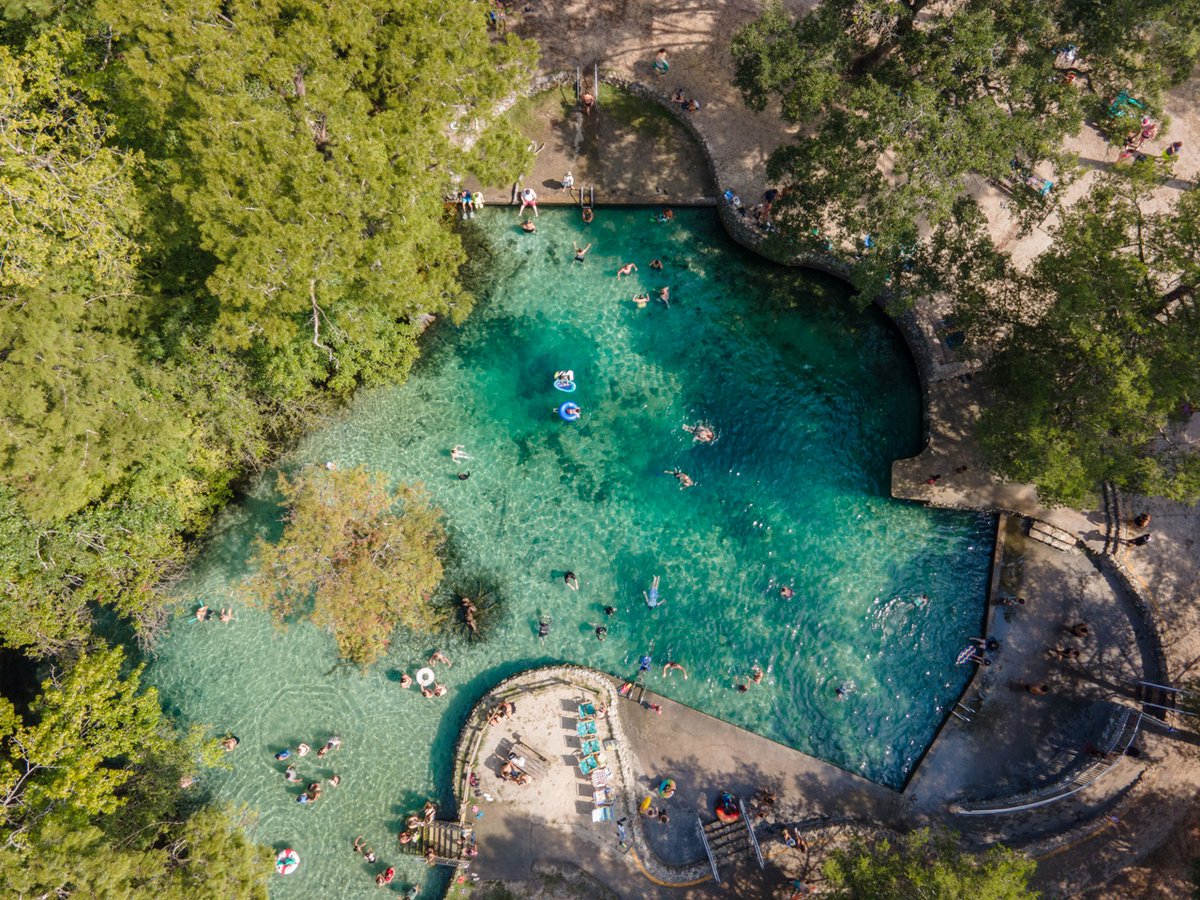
point(530, 114)
point(644, 116)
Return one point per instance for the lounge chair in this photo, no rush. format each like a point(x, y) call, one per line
point(588, 764)
point(588, 747)
point(602, 797)
point(603, 814)
point(587, 711)
point(600, 777)
point(585, 729)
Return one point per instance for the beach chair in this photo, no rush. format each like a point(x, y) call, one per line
point(602, 814)
point(587, 711)
point(601, 776)
point(602, 797)
point(588, 764)
point(588, 747)
point(585, 729)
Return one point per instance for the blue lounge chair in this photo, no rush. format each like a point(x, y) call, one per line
point(590, 747)
point(588, 764)
point(585, 729)
point(587, 710)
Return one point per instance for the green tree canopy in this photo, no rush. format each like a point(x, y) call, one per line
point(900, 100)
point(930, 865)
point(1101, 352)
point(358, 558)
point(312, 144)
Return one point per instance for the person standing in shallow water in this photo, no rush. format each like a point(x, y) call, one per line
point(571, 581)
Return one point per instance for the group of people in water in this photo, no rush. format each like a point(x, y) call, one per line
point(313, 793)
point(435, 689)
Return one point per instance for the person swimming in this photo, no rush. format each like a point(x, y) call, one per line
point(684, 479)
point(644, 663)
point(571, 581)
point(580, 252)
point(652, 596)
point(701, 432)
point(543, 627)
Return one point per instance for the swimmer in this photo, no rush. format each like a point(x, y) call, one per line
point(543, 628)
point(290, 774)
point(571, 581)
point(685, 480)
point(601, 632)
point(439, 657)
point(302, 749)
point(203, 613)
point(529, 226)
point(610, 610)
point(227, 614)
point(845, 689)
point(405, 680)
point(230, 743)
point(283, 754)
point(626, 269)
point(369, 855)
point(412, 822)
point(459, 453)
point(701, 432)
point(430, 811)
point(644, 663)
point(787, 592)
point(652, 597)
point(335, 780)
point(742, 688)
point(359, 844)
point(640, 300)
point(426, 693)
point(439, 690)
point(671, 666)
point(580, 253)
point(664, 294)
point(405, 837)
point(463, 476)
point(756, 675)
point(588, 215)
point(656, 265)
point(332, 744)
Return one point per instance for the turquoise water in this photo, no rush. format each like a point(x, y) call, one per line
point(811, 400)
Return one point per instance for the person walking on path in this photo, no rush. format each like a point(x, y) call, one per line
point(661, 65)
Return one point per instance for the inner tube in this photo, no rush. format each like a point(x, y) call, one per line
point(425, 677)
point(666, 789)
point(287, 861)
point(569, 412)
point(726, 809)
point(567, 387)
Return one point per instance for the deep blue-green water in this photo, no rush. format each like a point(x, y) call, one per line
point(811, 400)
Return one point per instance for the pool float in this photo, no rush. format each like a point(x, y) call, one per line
point(565, 381)
point(726, 809)
point(287, 861)
point(666, 789)
point(425, 677)
point(645, 804)
point(569, 412)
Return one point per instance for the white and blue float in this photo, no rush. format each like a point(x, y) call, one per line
point(565, 381)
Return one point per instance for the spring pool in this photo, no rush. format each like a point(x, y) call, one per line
point(811, 400)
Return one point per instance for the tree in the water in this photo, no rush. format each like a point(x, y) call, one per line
point(356, 557)
point(926, 864)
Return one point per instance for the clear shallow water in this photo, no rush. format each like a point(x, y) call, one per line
point(811, 400)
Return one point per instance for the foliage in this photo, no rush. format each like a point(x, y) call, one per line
point(309, 144)
point(366, 568)
point(1088, 385)
point(899, 102)
point(926, 864)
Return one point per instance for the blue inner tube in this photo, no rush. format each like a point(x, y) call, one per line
point(569, 412)
point(567, 387)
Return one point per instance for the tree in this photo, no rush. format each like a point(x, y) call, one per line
point(927, 864)
point(1101, 352)
point(88, 730)
point(350, 561)
point(311, 144)
point(900, 100)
